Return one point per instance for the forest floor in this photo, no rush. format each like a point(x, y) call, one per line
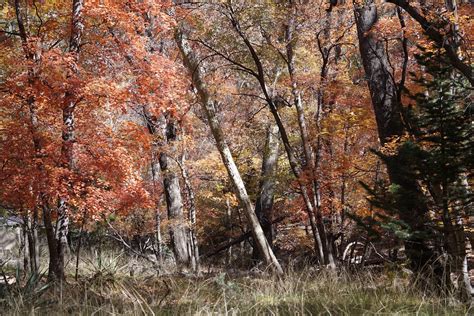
point(306, 292)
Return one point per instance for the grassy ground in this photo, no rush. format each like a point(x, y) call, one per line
point(110, 292)
point(107, 287)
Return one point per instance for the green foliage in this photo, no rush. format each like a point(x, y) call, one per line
point(444, 137)
point(24, 293)
point(429, 163)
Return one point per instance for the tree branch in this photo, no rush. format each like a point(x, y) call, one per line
point(438, 38)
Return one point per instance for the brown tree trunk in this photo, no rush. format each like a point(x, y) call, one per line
point(31, 241)
point(383, 91)
point(42, 200)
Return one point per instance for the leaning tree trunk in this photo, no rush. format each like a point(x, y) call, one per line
point(195, 68)
point(383, 91)
point(264, 203)
point(292, 160)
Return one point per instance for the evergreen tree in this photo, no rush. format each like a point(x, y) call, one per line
point(444, 140)
point(438, 154)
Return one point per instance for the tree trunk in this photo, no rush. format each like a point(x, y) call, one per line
point(196, 70)
point(314, 212)
point(32, 249)
point(155, 166)
point(159, 239)
point(292, 160)
point(228, 222)
point(455, 233)
point(264, 203)
point(42, 200)
point(165, 130)
point(182, 235)
point(343, 188)
point(454, 241)
point(383, 93)
point(67, 149)
point(24, 249)
point(456, 247)
point(324, 142)
point(54, 270)
point(174, 202)
point(381, 84)
point(193, 244)
point(178, 228)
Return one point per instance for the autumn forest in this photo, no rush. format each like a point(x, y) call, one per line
point(236, 157)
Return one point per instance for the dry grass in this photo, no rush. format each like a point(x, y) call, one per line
point(110, 290)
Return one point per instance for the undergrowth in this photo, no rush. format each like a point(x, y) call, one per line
point(108, 290)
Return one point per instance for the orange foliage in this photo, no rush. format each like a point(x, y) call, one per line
point(117, 72)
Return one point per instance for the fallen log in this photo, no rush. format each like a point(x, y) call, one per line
point(239, 239)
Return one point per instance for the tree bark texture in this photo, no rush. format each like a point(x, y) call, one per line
point(192, 244)
point(165, 132)
point(264, 203)
point(174, 202)
point(68, 137)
